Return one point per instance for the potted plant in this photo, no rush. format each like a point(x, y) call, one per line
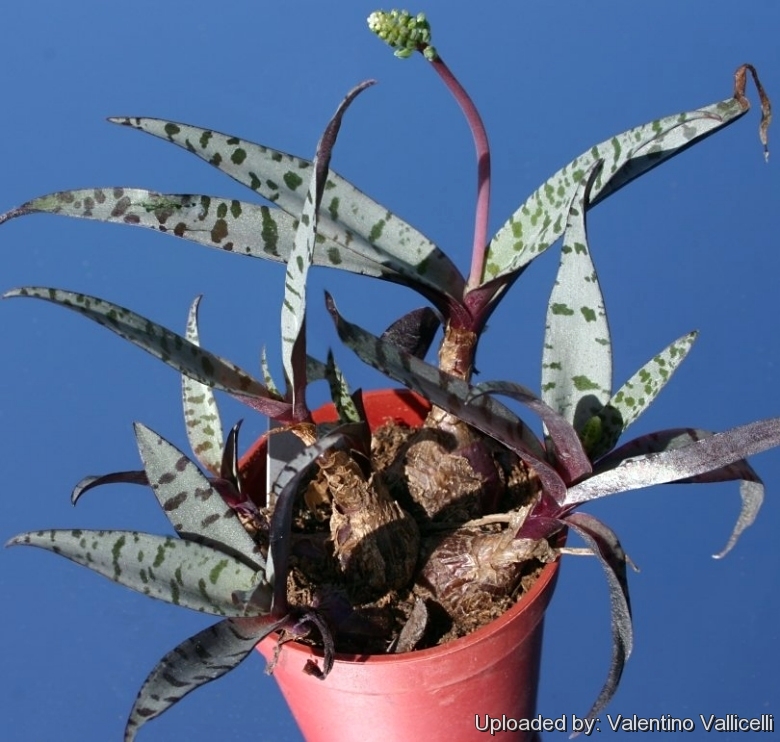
point(425, 545)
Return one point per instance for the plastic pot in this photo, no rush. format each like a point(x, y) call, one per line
point(444, 694)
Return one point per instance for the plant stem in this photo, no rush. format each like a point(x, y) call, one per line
point(483, 169)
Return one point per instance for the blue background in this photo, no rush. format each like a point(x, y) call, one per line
point(693, 245)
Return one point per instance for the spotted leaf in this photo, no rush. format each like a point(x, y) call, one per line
point(351, 221)
point(233, 226)
point(339, 392)
point(577, 354)
point(294, 304)
point(181, 572)
point(201, 414)
point(638, 393)
point(195, 508)
point(208, 655)
point(541, 220)
point(176, 351)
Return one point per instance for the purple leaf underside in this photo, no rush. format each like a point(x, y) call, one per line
point(606, 547)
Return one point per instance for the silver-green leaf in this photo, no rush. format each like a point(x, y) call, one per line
point(351, 221)
point(294, 304)
point(201, 414)
point(577, 354)
point(168, 346)
point(541, 220)
point(208, 655)
point(176, 571)
point(637, 394)
point(233, 226)
point(195, 508)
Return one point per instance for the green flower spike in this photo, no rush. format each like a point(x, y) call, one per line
point(403, 32)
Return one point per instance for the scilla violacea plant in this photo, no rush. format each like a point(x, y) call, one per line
point(432, 540)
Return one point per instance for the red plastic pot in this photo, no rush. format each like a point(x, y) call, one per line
point(444, 694)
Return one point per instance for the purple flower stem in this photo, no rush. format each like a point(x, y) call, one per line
point(483, 169)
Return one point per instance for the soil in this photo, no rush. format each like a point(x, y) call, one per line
point(393, 571)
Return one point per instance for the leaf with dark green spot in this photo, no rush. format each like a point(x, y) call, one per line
point(163, 567)
point(201, 414)
point(541, 220)
point(350, 219)
point(236, 227)
point(577, 344)
point(171, 348)
point(208, 655)
point(294, 304)
point(339, 392)
point(639, 392)
point(195, 508)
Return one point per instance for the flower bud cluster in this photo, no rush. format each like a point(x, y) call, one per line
point(403, 32)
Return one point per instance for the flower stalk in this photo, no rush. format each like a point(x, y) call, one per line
point(407, 33)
